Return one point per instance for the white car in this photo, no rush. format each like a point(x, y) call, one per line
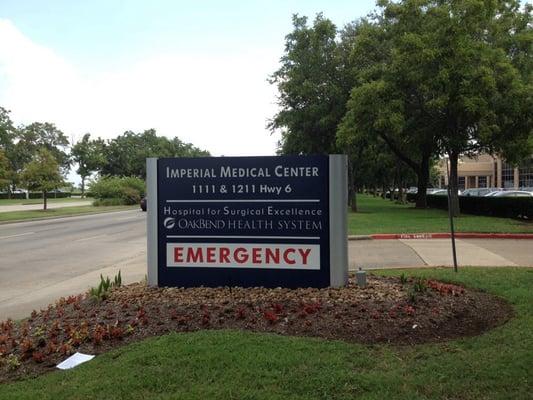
point(511, 193)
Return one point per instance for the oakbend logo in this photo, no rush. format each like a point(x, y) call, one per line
point(169, 222)
point(244, 255)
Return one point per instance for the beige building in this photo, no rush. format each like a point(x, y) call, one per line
point(488, 171)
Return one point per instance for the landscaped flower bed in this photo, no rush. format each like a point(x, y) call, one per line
point(389, 310)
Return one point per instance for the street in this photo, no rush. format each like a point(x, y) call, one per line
point(43, 260)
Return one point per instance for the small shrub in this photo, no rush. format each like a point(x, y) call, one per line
point(107, 202)
point(117, 281)
point(122, 190)
point(101, 292)
point(403, 279)
point(412, 296)
point(12, 362)
point(270, 316)
point(419, 286)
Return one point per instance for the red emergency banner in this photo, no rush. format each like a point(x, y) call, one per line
point(244, 255)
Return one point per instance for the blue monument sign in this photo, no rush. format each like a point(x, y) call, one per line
point(247, 221)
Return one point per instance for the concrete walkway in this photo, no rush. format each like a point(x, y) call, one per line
point(51, 204)
point(372, 254)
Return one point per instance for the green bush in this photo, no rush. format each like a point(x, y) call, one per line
point(13, 196)
point(507, 207)
point(128, 190)
point(35, 195)
point(59, 195)
point(108, 202)
point(78, 193)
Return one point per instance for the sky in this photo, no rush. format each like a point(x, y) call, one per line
point(193, 69)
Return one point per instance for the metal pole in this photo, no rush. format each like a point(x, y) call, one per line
point(450, 214)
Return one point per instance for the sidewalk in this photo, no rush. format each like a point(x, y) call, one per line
point(28, 207)
point(398, 253)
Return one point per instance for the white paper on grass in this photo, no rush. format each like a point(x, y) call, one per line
point(74, 360)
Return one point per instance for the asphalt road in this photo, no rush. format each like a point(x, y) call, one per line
point(43, 260)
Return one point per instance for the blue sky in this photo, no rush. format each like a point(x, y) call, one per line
point(196, 70)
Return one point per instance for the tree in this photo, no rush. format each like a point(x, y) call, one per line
point(440, 81)
point(7, 136)
point(126, 154)
point(42, 173)
point(39, 135)
point(312, 88)
point(5, 170)
point(89, 155)
point(7, 130)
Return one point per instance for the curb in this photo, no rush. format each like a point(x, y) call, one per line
point(388, 236)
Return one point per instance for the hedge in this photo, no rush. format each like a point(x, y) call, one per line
point(507, 207)
point(34, 195)
point(13, 196)
point(129, 189)
point(60, 195)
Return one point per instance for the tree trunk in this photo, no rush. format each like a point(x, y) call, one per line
point(453, 183)
point(44, 200)
point(352, 187)
point(82, 187)
point(400, 194)
point(422, 183)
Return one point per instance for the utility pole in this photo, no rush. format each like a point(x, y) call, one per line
point(450, 214)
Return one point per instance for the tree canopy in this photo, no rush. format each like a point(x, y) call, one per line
point(428, 77)
point(42, 173)
point(126, 154)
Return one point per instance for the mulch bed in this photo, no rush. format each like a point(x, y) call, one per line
point(388, 310)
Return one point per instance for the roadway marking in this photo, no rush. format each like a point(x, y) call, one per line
point(20, 234)
point(90, 238)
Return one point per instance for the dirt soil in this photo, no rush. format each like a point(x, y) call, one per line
point(389, 310)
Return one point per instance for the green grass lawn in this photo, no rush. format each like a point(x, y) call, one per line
point(11, 202)
point(59, 212)
point(377, 215)
point(240, 365)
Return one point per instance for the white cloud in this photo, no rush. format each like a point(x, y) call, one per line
point(220, 103)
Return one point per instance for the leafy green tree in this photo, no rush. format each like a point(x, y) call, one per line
point(42, 174)
point(5, 170)
point(7, 137)
point(39, 135)
point(312, 88)
point(7, 130)
point(439, 80)
point(89, 155)
point(126, 154)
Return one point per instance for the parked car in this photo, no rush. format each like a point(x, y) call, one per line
point(143, 203)
point(440, 192)
point(512, 193)
point(479, 191)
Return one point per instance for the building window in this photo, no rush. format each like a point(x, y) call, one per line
point(482, 181)
point(525, 174)
point(461, 183)
point(471, 182)
point(507, 175)
point(442, 182)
